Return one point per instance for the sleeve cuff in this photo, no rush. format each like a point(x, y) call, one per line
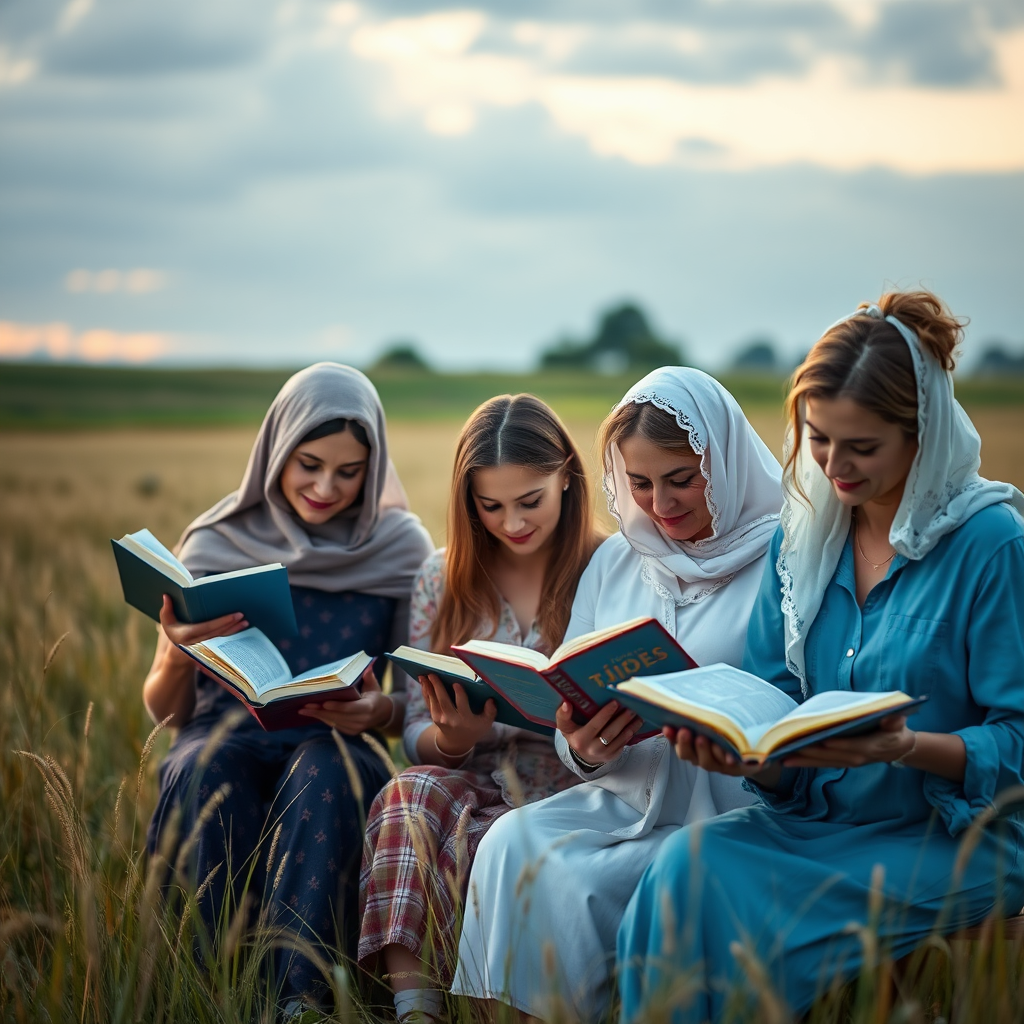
point(959, 803)
point(789, 795)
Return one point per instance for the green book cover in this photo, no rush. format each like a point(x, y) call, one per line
point(264, 598)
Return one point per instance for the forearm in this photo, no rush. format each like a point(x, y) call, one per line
point(942, 754)
point(170, 688)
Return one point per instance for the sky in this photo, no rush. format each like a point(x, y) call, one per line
point(272, 182)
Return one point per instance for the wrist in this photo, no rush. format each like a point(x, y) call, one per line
point(388, 721)
point(901, 761)
point(447, 754)
point(584, 764)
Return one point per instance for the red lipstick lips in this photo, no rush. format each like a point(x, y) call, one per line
point(522, 539)
point(318, 505)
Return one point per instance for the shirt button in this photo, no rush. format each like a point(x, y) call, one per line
point(849, 653)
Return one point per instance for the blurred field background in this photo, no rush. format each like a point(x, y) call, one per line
point(89, 454)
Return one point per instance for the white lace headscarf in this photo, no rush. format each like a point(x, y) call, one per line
point(743, 489)
point(943, 490)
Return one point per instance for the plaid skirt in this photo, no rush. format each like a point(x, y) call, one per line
point(422, 834)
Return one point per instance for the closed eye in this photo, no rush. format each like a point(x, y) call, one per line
point(531, 504)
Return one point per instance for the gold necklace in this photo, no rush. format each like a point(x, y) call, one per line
point(856, 538)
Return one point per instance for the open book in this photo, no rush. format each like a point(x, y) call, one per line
point(582, 671)
point(451, 670)
point(249, 666)
point(148, 571)
point(753, 719)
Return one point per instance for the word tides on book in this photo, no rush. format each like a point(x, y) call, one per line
point(628, 665)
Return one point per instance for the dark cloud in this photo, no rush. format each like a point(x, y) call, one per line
point(931, 42)
point(123, 38)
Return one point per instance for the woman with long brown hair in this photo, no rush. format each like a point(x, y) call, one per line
point(520, 534)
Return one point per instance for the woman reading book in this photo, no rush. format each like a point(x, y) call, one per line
point(319, 495)
point(897, 567)
point(520, 533)
point(697, 496)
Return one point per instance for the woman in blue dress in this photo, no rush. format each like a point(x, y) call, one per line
point(896, 567)
point(320, 495)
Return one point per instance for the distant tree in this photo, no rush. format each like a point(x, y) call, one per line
point(402, 355)
point(996, 361)
point(623, 341)
point(759, 356)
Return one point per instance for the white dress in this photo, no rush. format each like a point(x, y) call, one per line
point(551, 880)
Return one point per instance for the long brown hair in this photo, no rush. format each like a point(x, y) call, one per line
point(867, 360)
point(512, 430)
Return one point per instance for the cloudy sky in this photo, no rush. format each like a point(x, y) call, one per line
point(277, 181)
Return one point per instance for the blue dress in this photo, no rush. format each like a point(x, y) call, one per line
point(296, 778)
point(788, 876)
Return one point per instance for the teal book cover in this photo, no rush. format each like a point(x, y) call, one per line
point(263, 597)
point(479, 692)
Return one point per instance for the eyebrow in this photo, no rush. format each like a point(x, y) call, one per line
point(536, 490)
point(343, 465)
point(665, 476)
point(848, 440)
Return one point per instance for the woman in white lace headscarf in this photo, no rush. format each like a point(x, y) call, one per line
point(696, 494)
point(897, 567)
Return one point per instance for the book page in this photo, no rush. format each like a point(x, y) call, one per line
point(438, 662)
point(512, 654)
point(595, 636)
point(239, 572)
point(254, 657)
point(749, 702)
point(830, 707)
point(143, 544)
point(332, 670)
point(839, 700)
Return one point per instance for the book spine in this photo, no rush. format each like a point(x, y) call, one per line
point(561, 682)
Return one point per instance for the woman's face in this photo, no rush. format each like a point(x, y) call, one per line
point(518, 505)
point(864, 457)
point(669, 487)
point(325, 476)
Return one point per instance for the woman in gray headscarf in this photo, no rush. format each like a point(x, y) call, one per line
point(320, 495)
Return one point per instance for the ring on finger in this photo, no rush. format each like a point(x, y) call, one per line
point(604, 742)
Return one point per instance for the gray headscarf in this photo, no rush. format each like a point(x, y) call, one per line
point(375, 546)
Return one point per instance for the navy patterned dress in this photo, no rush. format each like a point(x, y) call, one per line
point(295, 778)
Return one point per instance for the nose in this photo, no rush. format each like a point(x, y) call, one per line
point(835, 464)
point(514, 521)
point(323, 487)
point(664, 502)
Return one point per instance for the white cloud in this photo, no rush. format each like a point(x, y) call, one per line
point(828, 117)
point(60, 341)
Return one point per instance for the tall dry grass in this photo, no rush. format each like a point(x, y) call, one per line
point(85, 934)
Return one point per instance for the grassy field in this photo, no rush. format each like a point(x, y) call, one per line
point(41, 396)
point(83, 935)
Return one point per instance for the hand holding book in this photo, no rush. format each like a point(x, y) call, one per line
point(373, 709)
point(459, 728)
point(603, 737)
